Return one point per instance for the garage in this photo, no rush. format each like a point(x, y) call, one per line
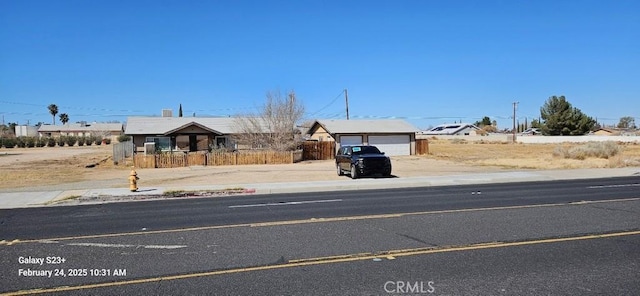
point(393, 136)
point(392, 144)
point(350, 140)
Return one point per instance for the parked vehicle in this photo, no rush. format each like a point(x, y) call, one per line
point(361, 161)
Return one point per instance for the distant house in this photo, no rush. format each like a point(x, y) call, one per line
point(183, 133)
point(615, 132)
point(80, 129)
point(605, 132)
point(392, 136)
point(26, 131)
point(458, 129)
point(531, 132)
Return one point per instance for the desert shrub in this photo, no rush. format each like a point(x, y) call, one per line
point(9, 142)
point(61, 141)
point(41, 142)
point(98, 140)
point(89, 140)
point(51, 142)
point(123, 138)
point(71, 140)
point(107, 141)
point(29, 142)
point(20, 142)
point(604, 150)
point(560, 151)
point(81, 141)
point(458, 141)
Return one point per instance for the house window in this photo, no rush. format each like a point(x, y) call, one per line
point(162, 143)
point(182, 142)
point(221, 142)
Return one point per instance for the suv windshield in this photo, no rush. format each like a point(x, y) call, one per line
point(365, 150)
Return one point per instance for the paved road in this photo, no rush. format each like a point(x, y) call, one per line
point(529, 238)
point(583, 267)
point(30, 223)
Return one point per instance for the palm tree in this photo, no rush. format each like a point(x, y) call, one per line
point(53, 110)
point(64, 118)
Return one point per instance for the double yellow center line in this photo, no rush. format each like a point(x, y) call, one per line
point(390, 254)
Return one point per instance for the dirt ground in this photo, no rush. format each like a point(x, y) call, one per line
point(65, 168)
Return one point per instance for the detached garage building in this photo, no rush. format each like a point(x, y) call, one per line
point(392, 136)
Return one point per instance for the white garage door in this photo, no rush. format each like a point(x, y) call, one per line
point(392, 145)
point(350, 140)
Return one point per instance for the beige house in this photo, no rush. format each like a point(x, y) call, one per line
point(392, 136)
point(187, 134)
point(605, 132)
point(82, 129)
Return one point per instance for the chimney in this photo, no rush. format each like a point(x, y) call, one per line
point(167, 113)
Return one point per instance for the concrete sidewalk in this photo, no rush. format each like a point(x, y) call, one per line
point(50, 198)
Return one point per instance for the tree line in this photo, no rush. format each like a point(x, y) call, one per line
point(558, 117)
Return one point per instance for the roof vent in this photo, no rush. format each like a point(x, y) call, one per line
point(167, 113)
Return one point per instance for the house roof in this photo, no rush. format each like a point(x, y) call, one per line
point(166, 125)
point(343, 126)
point(81, 127)
point(449, 129)
point(606, 130)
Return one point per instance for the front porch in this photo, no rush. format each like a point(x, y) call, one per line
point(192, 137)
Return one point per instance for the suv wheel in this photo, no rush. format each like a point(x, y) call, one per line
point(340, 173)
point(354, 172)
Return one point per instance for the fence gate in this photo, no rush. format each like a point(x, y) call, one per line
point(314, 150)
point(121, 151)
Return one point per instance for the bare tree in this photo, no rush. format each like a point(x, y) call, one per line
point(274, 127)
point(627, 122)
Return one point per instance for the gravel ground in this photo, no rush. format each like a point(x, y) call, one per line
point(106, 175)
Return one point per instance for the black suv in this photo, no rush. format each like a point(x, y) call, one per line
point(362, 160)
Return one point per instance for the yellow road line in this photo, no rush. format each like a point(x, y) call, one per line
point(307, 221)
point(390, 255)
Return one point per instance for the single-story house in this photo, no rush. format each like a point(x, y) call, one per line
point(392, 136)
point(458, 129)
point(80, 129)
point(183, 133)
point(531, 132)
point(606, 132)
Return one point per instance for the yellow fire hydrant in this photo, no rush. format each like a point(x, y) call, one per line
point(133, 181)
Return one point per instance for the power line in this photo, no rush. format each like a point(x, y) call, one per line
point(327, 106)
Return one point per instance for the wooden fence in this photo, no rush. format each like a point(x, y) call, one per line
point(173, 160)
point(315, 150)
point(122, 150)
point(422, 146)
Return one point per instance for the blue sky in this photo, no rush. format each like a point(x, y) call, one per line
point(431, 62)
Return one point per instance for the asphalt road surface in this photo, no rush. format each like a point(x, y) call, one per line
point(570, 237)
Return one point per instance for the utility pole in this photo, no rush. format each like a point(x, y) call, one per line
point(515, 106)
point(346, 99)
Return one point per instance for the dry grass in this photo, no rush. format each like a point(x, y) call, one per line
point(536, 156)
point(29, 167)
point(33, 167)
